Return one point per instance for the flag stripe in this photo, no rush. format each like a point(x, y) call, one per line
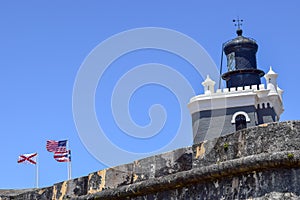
point(62, 156)
point(53, 145)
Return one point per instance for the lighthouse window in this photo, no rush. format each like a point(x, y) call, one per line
point(240, 122)
point(231, 61)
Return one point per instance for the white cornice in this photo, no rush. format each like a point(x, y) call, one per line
point(221, 101)
point(236, 97)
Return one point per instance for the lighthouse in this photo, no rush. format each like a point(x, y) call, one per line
point(244, 102)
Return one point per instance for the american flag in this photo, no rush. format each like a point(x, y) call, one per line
point(27, 158)
point(53, 145)
point(62, 156)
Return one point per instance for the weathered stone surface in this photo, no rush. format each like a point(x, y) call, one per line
point(118, 176)
point(273, 137)
point(59, 190)
point(144, 169)
point(253, 185)
point(76, 187)
point(96, 181)
point(110, 178)
point(277, 165)
point(8, 193)
point(163, 164)
point(256, 163)
point(173, 162)
point(35, 194)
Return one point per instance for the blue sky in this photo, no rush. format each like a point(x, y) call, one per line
point(43, 45)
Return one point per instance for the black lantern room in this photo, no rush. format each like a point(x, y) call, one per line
point(241, 62)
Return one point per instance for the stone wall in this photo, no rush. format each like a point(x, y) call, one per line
point(256, 163)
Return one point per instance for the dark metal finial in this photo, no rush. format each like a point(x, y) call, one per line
point(238, 22)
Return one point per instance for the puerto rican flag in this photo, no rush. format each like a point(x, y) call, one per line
point(62, 156)
point(28, 158)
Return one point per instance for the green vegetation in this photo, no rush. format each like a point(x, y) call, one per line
point(290, 155)
point(226, 145)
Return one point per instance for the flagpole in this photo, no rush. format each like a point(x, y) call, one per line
point(68, 165)
point(37, 171)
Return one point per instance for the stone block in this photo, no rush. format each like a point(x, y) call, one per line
point(173, 162)
point(110, 178)
point(144, 169)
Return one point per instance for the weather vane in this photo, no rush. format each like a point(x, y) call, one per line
point(238, 22)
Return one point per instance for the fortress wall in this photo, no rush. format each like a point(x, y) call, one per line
point(251, 163)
